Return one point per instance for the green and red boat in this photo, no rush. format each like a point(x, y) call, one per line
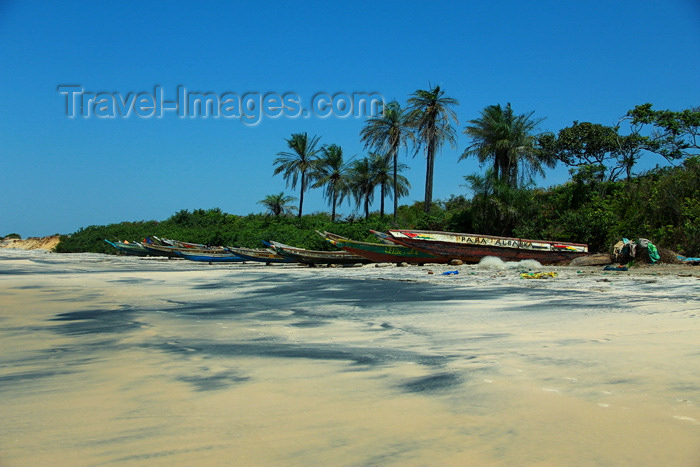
point(471, 248)
point(314, 257)
point(383, 252)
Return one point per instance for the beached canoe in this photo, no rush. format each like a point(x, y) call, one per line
point(471, 248)
point(133, 249)
point(383, 252)
point(182, 245)
point(313, 257)
point(210, 258)
point(383, 237)
point(261, 255)
point(172, 251)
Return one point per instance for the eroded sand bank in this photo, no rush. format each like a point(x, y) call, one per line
point(130, 361)
point(31, 243)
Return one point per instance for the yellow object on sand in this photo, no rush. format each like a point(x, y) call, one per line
point(538, 275)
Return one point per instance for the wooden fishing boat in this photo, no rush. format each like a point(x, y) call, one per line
point(133, 249)
point(182, 245)
point(172, 251)
point(314, 257)
point(160, 250)
point(259, 254)
point(383, 237)
point(471, 248)
point(210, 258)
point(383, 252)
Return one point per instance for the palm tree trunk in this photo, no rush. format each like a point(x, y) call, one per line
point(367, 207)
point(429, 177)
point(301, 195)
point(382, 194)
point(512, 172)
point(395, 153)
point(333, 209)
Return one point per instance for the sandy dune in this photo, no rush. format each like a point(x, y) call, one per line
point(31, 243)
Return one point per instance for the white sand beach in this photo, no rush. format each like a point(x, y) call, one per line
point(129, 361)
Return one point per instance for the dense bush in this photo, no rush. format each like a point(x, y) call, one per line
point(662, 205)
point(215, 227)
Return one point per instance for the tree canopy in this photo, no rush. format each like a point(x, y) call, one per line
point(332, 173)
point(278, 204)
point(431, 117)
point(509, 141)
point(296, 164)
point(386, 134)
point(674, 135)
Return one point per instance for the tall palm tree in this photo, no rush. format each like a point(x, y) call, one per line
point(430, 114)
point(295, 165)
point(386, 133)
point(333, 173)
point(388, 184)
point(508, 140)
point(362, 183)
point(278, 205)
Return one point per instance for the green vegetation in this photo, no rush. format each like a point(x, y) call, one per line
point(12, 236)
point(662, 205)
point(278, 205)
point(589, 146)
point(509, 141)
point(430, 113)
point(297, 164)
point(603, 202)
point(673, 134)
point(382, 177)
point(214, 227)
point(332, 173)
point(326, 168)
point(385, 134)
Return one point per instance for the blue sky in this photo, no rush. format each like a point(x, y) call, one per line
point(586, 61)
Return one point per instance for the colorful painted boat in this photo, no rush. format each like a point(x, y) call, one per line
point(181, 245)
point(261, 255)
point(383, 252)
point(210, 258)
point(471, 248)
point(383, 237)
point(132, 249)
point(172, 251)
point(314, 257)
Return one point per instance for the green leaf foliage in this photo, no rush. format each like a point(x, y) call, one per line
point(662, 205)
point(674, 135)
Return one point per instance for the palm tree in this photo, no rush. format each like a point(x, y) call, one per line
point(295, 165)
point(508, 139)
point(388, 184)
point(279, 204)
point(362, 183)
point(430, 115)
point(386, 133)
point(497, 207)
point(333, 173)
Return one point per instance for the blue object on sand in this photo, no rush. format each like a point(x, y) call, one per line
point(447, 273)
point(615, 268)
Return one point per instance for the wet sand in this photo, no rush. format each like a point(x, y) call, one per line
point(125, 361)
